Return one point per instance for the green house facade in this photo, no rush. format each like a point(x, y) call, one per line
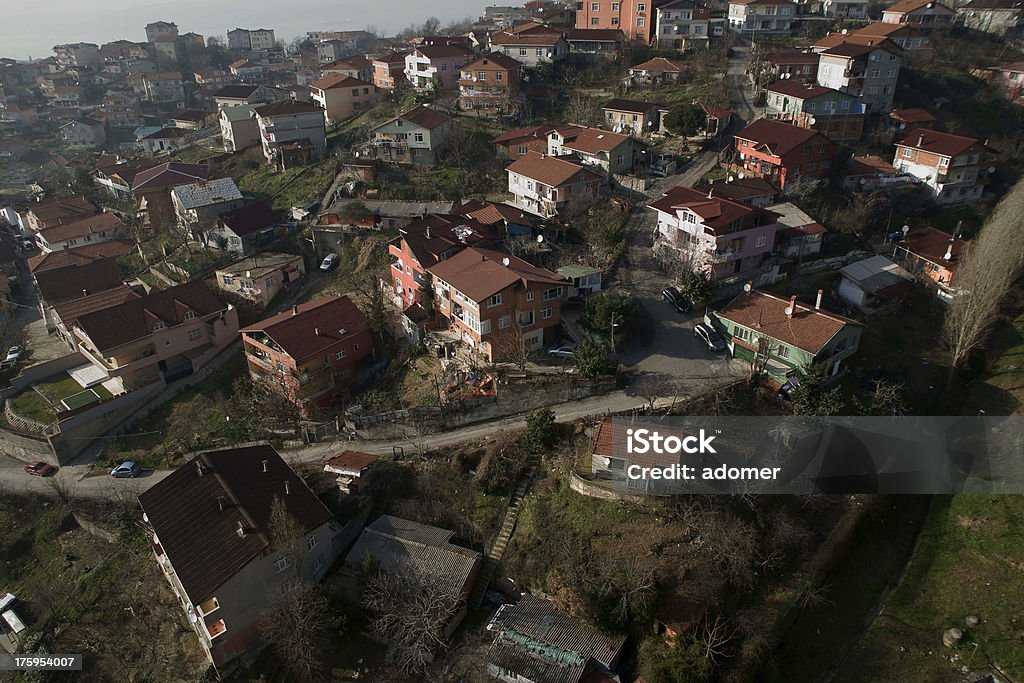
point(794, 335)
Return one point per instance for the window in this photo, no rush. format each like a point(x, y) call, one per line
point(418, 137)
point(355, 347)
point(545, 313)
point(189, 315)
point(640, 21)
point(761, 241)
point(282, 564)
point(594, 21)
point(782, 352)
point(539, 52)
point(825, 163)
point(741, 333)
point(641, 7)
point(318, 563)
point(529, 296)
point(522, 150)
point(553, 293)
point(595, 7)
point(806, 151)
point(355, 92)
point(229, 280)
point(874, 73)
point(269, 282)
point(907, 152)
point(194, 334)
point(340, 354)
point(823, 148)
point(444, 67)
point(615, 21)
point(812, 166)
point(158, 325)
point(615, 7)
point(522, 52)
point(890, 73)
point(494, 301)
point(311, 542)
point(481, 75)
point(504, 321)
point(872, 89)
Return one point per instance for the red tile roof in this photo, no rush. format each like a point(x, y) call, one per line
point(101, 222)
point(913, 115)
point(539, 132)
point(443, 51)
point(170, 174)
point(134, 319)
point(713, 112)
point(73, 282)
point(200, 539)
point(548, 170)
point(540, 39)
point(855, 46)
point(943, 144)
point(868, 165)
point(309, 328)
point(498, 58)
point(739, 189)
point(911, 5)
point(806, 329)
point(931, 244)
point(633, 106)
point(792, 58)
point(479, 273)
point(62, 209)
point(777, 137)
point(339, 81)
point(425, 117)
point(600, 35)
point(70, 311)
point(714, 212)
point(351, 460)
point(590, 140)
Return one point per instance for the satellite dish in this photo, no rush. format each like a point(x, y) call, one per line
point(248, 273)
point(811, 121)
point(746, 287)
point(730, 179)
point(786, 76)
point(789, 310)
point(991, 169)
point(607, 461)
point(505, 261)
point(906, 229)
point(740, 175)
point(540, 238)
point(843, 32)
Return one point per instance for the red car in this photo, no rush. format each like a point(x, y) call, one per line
point(40, 468)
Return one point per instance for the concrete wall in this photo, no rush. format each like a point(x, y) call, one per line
point(25, 447)
point(40, 371)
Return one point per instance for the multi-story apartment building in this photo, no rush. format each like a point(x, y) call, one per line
point(544, 184)
point(77, 55)
point(845, 9)
point(238, 127)
point(635, 18)
point(761, 17)
point(165, 88)
point(867, 71)
point(389, 71)
point(255, 40)
point(782, 152)
point(213, 540)
point(341, 96)
point(715, 237)
point(838, 115)
point(954, 167)
point(123, 110)
point(160, 337)
point(161, 29)
point(284, 122)
point(310, 353)
point(682, 24)
point(436, 66)
point(492, 299)
point(489, 85)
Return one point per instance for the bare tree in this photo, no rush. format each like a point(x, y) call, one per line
point(509, 345)
point(715, 636)
point(765, 349)
point(411, 612)
point(652, 386)
point(63, 487)
point(581, 109)
point(984, 276)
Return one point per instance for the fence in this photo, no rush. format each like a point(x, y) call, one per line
point(25, 424)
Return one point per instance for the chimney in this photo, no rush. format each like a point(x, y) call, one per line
point(295, 309)
point(200, 468)
point(427, 233)
point(920, 140)
point(316, 331)
point(287, 487)
point(241, 529)
point(266, 465)
point(711, 193)
point(85, 292)
point(792, 306)
point(222, 503)
point(817, 302)
point(949, 251)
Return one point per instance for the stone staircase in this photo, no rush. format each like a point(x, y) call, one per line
point(508, 525)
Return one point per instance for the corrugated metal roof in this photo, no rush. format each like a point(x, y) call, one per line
point(206, 193)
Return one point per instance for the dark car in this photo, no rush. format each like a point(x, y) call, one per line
point(707, 334)
point(676, 298)
point(126, 469)
point(786, 390)
point(40, 468)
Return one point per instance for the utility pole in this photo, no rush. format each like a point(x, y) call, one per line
point(613, 325)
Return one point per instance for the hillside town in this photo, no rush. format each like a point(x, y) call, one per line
point(315, 344)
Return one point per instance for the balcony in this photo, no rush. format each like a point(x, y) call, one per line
point(722, 255)
point(305, 377)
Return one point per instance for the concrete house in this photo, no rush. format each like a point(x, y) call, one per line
point(238, 127)
point(489, 85)
point(436, 66)
point(932, 255)
point(311, 353)
point(240, 93)
point(341, 96)
point(761, 17)
point(869, 72)
point(288, 124)
point(544, 184)
point(165, 141)
point(845, 9)
point(198, 205)
point(926, 14)
point(84, 132)
point(631, 117)
point(781, 152)
point(954, 167)
point(873, 282)
point(261, 277)
point(716, 237)
point(590, 45)
point(799, 235)
point(491, 299)
point(92, 229)
point(795, 336)
point(389, 71)
point(611, 152)
point(838, 115)
point(242, 230)
point(531, 48)
point(211, 536)
point(998, 17)
point(160, 337)
point(1009, 79)
point(657, 71)
point(683, 24)
point(152, 187)
point(415, 137)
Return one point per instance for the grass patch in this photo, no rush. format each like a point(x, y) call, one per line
point(294, 186)
point(30, 405)
point(968, 561)
point(1001, 392)
point(34, 405)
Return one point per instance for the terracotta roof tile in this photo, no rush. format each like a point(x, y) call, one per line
point(479, 273)
point(807, 329)
point(295, 331)
point(547, 169)
point(778, 137)
point(936, 142)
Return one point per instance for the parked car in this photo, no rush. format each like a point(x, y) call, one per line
point(40, 468)
point(707, 334)
point(13, 354)
point(495, 623)
point(786, 390)
point(126, 469)
point(562, 350)
point(329, 263)
point(676, 298)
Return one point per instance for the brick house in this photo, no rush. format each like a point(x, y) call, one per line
point(544, 184)
point(389, 71)
point(954, 167)
point(489, 85)
point(716, 237)
point(631, 116)
point(341, 96)
point(869, 72)
point(513, 144)
point(211, 536)
point(311, 353)
point(160, 337)
point(794, 336)
point(932, 254)
point(926, 14)
point(492, 300)
point(780, 152)
point(836, 114)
